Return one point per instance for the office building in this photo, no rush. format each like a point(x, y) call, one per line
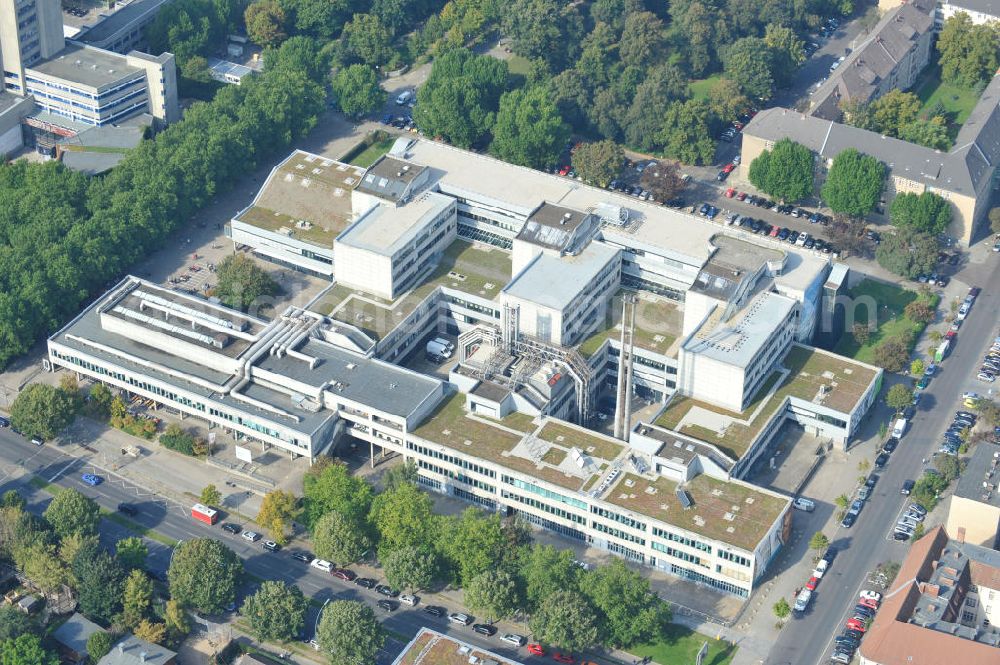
point(30, 31)
point(974, 511)
point(121, 29)
point(980, 11)
point(943, 607)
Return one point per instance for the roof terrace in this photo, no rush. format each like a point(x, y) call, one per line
point(658, 324)
point(475, 269)
point(810, 373)
point(733, 512)
point(430, 647)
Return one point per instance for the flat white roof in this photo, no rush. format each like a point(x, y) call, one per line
point(738, 340)
point(385, 228)
point(553, 281)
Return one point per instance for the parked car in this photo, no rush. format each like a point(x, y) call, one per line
point(386, 590)
point(485, 629)
point(91, 479)
point(907, 487)
point(127, 509)
point(433, 610)
point(229, 527)
point(871, 595)
point(460, 618)
point(536, 649)
point(252, 536)
point(881, 460)
point(387, 605)
point(344, 574)
point(271, 546)
point(304, 557)
point(514, 639)
point(365, 582)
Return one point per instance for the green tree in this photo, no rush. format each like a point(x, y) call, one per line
point(339, 538)
point(930, 132)
point(687, 132)
point(204, 574)
point(544, 29)
point(907, 253)
point(403, 518)
point(786, 50)
point(100, 583)
point(38, 562)
point(528, 129)
point(893, 111)
point(784, 172)
point(926, 212)
point(265, 21)
point(460, 99)
point(842, 501)
point(26, 650)
point(917, 367)
point(349, 631)
point(13, 499)
point(211, 496)
point(411, 568)
point(155, 633)
point(99, 645)
point(819, 542)
point(299, 54)
point(493, 592)
point(726, 100)
point(137, 598)
point(41, 410)
point(899, 397)
point(368, 39)
point(599, 162)
point(357, 90)
point(967, 52)
point(995, 220)
point(628, 611)
point(401, 474)
point(472, 543)
point(329, 486)
point(277, 511)
point(241, 282)
point(643, 40)
point(176, 620)
point(748, 62)
point(132, 552)
point(546, 570)
point(276, 612)
point(72, 512)
point(565, 619)
point(950, 467)
point(854, 183)
point(14, 622)
point(781, 609)
point(100, 399)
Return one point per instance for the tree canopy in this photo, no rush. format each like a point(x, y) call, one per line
point(204, 574)
point(565, 618)
point(926, 212)
point(42, 410)
point(529, 130)
point(242, 283)
point(357, 90)
point(70, 512)
point(968, 53)
point(748, 62)
point(461, 97)
point(329, 486)
point(337, 537)
point(599, 162)
point(349, 631)
point(687, 132)
point(26, 650)
point(276, 612)
point(854, 183)
point(403, 517)
point(784, 172)
point(907, 252)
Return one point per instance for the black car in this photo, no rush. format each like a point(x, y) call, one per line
point(365, 582)
point(871, 480)
point(890, 445)
point(386, 590)
point(4, 422)
point(847, 640)
point(829, 555)
point(127, 509)
point(485, 629)
point(899, 535)
point(849, 520)
point(881, 460)
point(433, 610)
point(387, 605)
point(270, 546)
point(229, 527)
point(864, 611)
point(907, 487)
point(304, 557)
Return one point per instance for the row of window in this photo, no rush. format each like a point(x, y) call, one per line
point(542, 492)
point(618, 533)
point(734, 557)
point(680, 554)
point(683, 540)
point(540, 505)
point(617, 517)
point(451, 459)
point(479, 500)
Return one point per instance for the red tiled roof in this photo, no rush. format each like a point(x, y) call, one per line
point(892, 641)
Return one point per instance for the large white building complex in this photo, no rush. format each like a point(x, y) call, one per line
point(76, 86)
point(565, 306)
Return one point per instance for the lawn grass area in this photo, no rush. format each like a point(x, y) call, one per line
point(957, 100)
point(700, 88)
point(678, 644)
point(367, 157)
point(592, 444)
point(518, 65)
point(891, 301)
point(44, 485)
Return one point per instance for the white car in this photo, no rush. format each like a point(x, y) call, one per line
point(515, 639)
point(409, 599)
point(322, 564)
point(252, 536)
point(458, 617)
point(871, 595)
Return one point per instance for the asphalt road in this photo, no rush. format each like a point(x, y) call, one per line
point(808, 638)
point(173, 521)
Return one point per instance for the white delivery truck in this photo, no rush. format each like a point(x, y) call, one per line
point(899, 428)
